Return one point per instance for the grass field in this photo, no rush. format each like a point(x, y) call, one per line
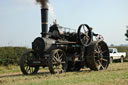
point(116, 74)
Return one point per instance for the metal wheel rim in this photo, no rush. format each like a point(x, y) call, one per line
point(25, 68)
point(101, 62)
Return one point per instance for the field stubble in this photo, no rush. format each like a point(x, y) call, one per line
point(116, 74)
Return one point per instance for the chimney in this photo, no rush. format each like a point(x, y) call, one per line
point(44, 21)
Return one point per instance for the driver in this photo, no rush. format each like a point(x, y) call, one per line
point(92, 33)
point(54, 32)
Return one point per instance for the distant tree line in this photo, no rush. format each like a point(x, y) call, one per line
point(11, 55)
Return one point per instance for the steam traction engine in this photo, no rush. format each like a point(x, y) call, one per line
point(64, 51)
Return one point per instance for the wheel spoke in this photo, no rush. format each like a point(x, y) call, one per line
point(57, 55)
point(102, 59)
point(61, 55)
point(84, 29)
point(63, 62)
point(57, 60)
point(30, 70)
point(27, 68)
point(100, 64)
point(54, 59)
point(104, 51)
point(97, 52)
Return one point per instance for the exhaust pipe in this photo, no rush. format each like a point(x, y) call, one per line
point(44, 21)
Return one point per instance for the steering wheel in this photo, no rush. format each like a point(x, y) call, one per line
point(84, 35)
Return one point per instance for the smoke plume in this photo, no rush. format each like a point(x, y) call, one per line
point(43, 3)
point(52, 12)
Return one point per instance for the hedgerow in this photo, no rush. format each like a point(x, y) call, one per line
point(11, 55)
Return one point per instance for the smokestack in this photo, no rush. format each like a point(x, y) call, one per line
point(44, 21)
point(44, 16)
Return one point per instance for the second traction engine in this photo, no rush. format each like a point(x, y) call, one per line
point(62, 50)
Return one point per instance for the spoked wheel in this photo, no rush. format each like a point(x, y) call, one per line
point(98, 56)
point(24, 63)
point(57, 62)
point(84, 34)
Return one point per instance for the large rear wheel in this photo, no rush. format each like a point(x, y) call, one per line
point(97, 57)
point(24, 63)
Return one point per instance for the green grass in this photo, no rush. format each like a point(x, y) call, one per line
point(9, 69)
point(116, 74)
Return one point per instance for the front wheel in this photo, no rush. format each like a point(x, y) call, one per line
point(24, 63)
point(57, 62)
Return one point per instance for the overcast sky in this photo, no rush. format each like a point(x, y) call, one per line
point(20, 19)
